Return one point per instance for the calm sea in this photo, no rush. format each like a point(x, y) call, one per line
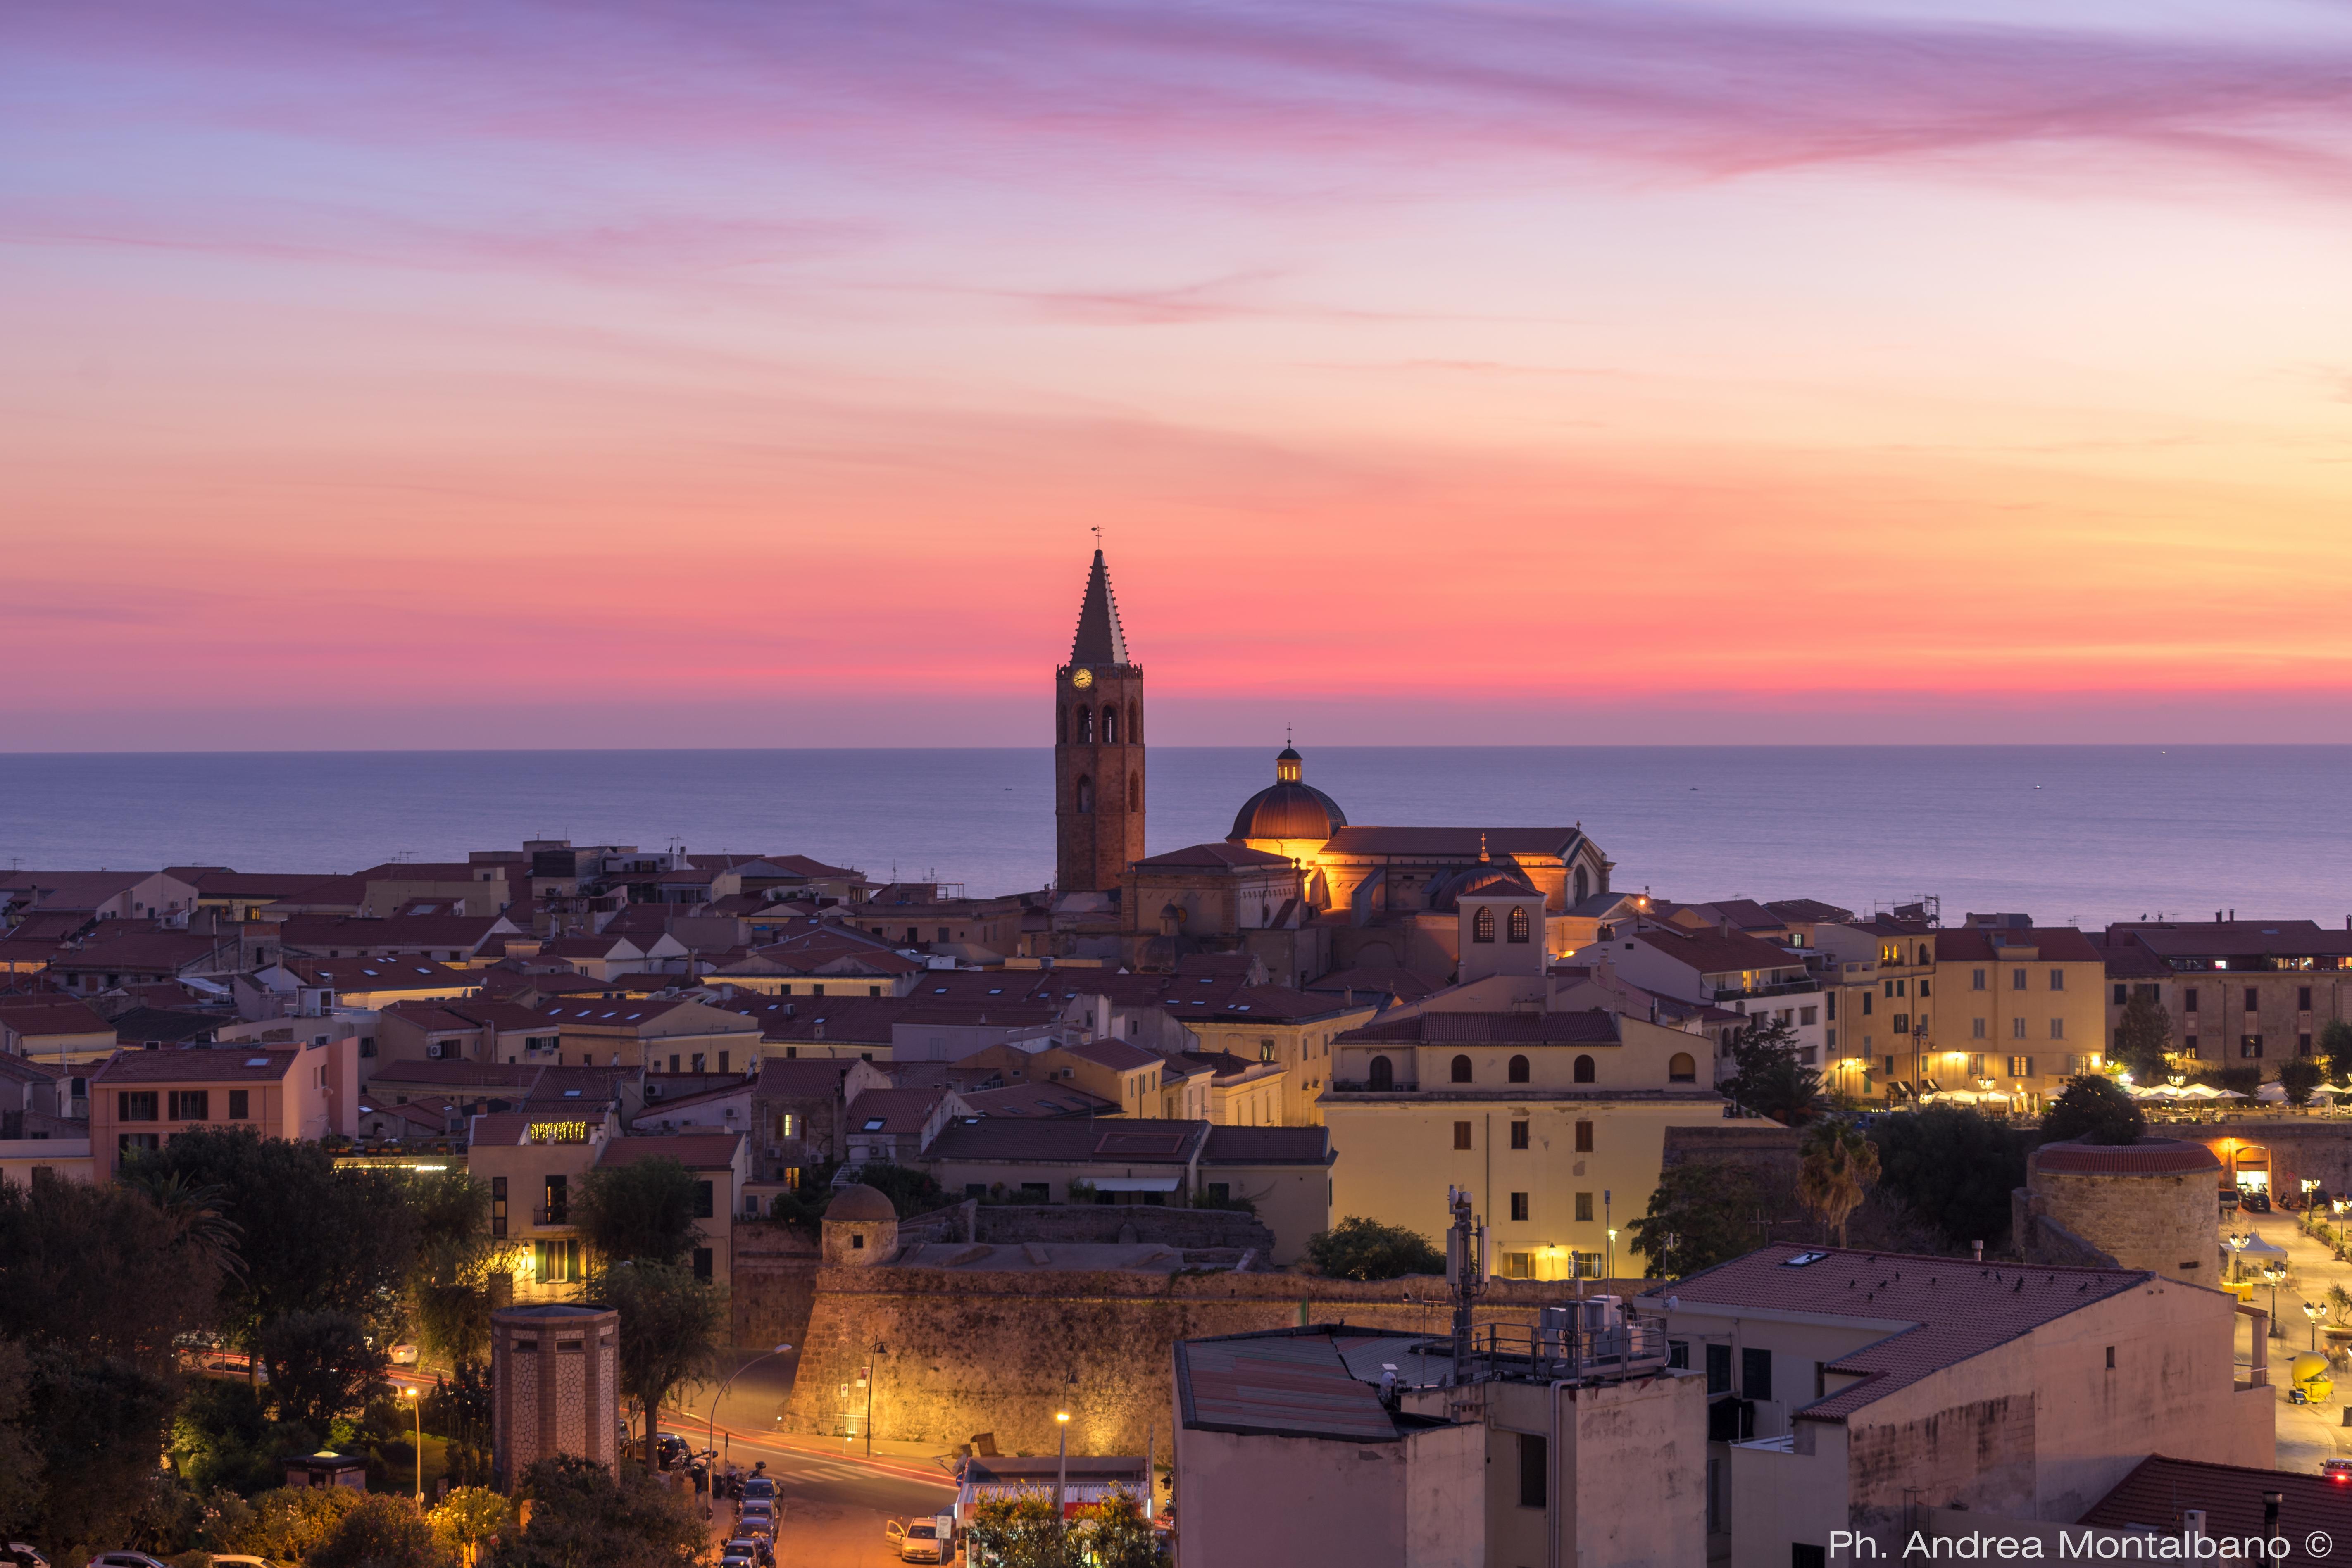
point(2070, 834)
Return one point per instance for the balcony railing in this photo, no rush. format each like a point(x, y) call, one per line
point(1785, 988)
point(561, 1214)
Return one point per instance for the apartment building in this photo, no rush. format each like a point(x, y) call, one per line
point(2239, 992)
point(658, 1033)
point(1877, 982)
point(1848, 1389)
point(1556, 1121)
point(1726, 968)
point(138, 1099)
point(2017, 1009)
point(720, 1164)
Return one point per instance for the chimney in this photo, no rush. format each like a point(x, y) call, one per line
point(1980, 1250)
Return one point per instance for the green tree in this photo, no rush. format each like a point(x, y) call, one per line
point(380, 1530)
point(99, 1271)
point(1708, 1210)
point(910, 1191)
point(320, 1366)
point(2143, 1036)
point(2299, 1076)
point(585, 1516)
point(1113, 1533)
point(285, 1525)
point(223, 1438)
point(1953, 1168)
point(1769, 1079)
point(640, 1212)
point(472, 1521)
point(2096, 1108)
point(1359, 1248)
point(671, 1327)
point(20, 1457)
point(455, 1259)
point(1018, 1533)
point(1836, 1167)
point(99, 1424)
point(2336, 1045)
point(312, 1239)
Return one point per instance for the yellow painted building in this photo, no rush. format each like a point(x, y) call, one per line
point(1556, 1123)
point(2020, 1009)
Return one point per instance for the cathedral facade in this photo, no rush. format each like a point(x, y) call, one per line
point(1294, 882)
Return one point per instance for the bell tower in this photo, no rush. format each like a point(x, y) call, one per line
point(1098, 749)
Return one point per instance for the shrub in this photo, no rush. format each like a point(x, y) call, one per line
point(1359, 1248)
point(2096, 1109)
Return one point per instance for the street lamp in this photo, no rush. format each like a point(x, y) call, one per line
point(2276, 1274)
point(2315, 1312)
point(418, 1404)
point(1062, 1475)
point(711, 1420)
point(871, 1370)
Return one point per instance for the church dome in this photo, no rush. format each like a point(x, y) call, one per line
point(1288, 808)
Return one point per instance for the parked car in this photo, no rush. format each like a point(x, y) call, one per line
point(126, 1560)
point(242, 1561)
point(739, 1554)
point(16, 1554)
point(2260, 1203)
point(760, 1489)
point(929, 1539)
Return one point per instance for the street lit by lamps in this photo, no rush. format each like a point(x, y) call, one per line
point(2315, 1310)
point(2276, 1274)
point(711, 1420)
point(418, 1404)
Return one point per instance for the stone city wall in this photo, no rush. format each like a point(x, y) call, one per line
point(967, 1352)
point(1147, 1223)
point(2170, 1223)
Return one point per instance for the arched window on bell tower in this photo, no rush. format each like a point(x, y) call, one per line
point(1111, 723)
point(1583, 885)
point(1061, 726)
point(1482, 924)
point(1520, 924)
point(1085, 798)
point(1086, 725)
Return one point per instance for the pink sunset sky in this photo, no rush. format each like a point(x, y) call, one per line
point(699, 373)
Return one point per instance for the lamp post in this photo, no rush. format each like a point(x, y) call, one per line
point(2313, 1310)
point(1062, 1473)
point(417, 1403)
point(873, 1356)
point(1609, 1221)
point(710, 1421)
point(2275, 1274)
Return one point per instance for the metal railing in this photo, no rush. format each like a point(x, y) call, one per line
point(559, 1214)
point(1539, 1354)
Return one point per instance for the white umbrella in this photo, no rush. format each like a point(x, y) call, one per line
point(2205, 1091)
point(2273, 1091)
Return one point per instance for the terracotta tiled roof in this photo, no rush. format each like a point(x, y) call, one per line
point(1713, 952)
point(1031, 1100)
point(1289, 1383)
point(1432, 843)
point(199, 1063)
point(2240, 939)
point(1126, 1141)
point(2051, 944)
point(2159, 1490)
point(1117, 1054)
point(695, 1151)
point(900, 1110)
point(41, 1017)
point(476, 1075)
point(1594, 1026)
point(810, 1077)
point(2149, 1156)
point(1955, 1309)
point(1366, 982)
point(1268, 1146)
point(366, 974)
point(1213, 857)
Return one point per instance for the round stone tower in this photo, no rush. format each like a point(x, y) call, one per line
point(2150, 1204)
point(860, 1226)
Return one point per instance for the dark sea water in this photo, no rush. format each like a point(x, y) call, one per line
point(2070, 834)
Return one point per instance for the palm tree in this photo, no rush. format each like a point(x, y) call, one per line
point(198, 1222)
point(1836, 1167)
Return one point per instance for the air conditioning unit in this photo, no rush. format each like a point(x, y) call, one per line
point(433, 1049)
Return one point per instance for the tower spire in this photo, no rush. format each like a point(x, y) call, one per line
point(1100, 639)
